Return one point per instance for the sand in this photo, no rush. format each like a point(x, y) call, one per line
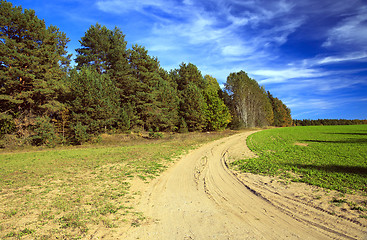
point(200, 198)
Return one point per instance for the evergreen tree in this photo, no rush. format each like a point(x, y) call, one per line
point(93, 101)
point(193, 107)
point(32, 65)
point(105, 51)
point(120, 69)
point(168, 98)
point(145, 78)
point(265, 114)
point(190, 86)
point(95, 47)
point(188, 73)
point(152, 92)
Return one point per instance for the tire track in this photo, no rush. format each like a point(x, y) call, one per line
point(200, 198)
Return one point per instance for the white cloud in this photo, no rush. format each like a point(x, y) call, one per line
point(236, 50)
point(188, 2)
point(238, 21)
point(122, 6)
point(236, 35)
point(284, 75)
point(200, 26)
point(258, 11)
point(348, 57)
point(307, 104)
point(298, 81)
point(352, 31)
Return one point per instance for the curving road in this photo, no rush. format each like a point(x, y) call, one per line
point(199, 198)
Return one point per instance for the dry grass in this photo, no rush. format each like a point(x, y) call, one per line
point(79, 192)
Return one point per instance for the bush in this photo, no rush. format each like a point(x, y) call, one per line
point(44, 133)
point(7, 126)
point(10, 141)
point(155, 135)
point(183, 126)
point(124, 121)
point(80, 133)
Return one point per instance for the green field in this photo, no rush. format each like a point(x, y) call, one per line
point(332, 157)
point(71, 192)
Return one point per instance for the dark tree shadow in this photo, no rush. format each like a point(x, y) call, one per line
point(357, 134)
point(348, 140)
point(333, 168)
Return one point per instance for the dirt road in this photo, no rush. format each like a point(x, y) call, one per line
point(199, 198)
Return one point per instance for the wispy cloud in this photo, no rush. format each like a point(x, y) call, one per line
point(286, 75)
point(123, 6)
point(227, 36)
point(357, 56)
point(351, 31)
point(310, 103)
point(220, 28)
point(323, 107)
point(307, 53)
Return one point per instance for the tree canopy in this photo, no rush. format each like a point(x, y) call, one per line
point(33, 60)
point(248, 101)
point(112, 88)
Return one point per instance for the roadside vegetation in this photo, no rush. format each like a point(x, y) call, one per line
point(74, 192)
point(331, 157)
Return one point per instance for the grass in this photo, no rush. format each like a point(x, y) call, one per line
point(72, 192)
point(332, 157)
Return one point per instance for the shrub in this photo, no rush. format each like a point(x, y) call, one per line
point(183, 126)
point(80, 133)
point(10, 141)
point(155, 135)
point(7, 126)
point(44, 133)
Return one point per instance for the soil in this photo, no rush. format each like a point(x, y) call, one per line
point(200, 198)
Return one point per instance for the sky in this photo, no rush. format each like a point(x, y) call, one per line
point(310, 54)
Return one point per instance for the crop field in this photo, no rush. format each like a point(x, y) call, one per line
point(73, 192)
point(332, 157)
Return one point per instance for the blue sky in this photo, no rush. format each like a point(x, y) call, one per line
point(310, 54)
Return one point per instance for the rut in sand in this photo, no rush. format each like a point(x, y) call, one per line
point(200, 198)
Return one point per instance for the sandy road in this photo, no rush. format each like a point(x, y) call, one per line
point(199, 198)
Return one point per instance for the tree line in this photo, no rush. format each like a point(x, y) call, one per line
point(44, 100)
point(318, 122)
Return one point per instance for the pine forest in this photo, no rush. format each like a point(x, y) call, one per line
point(46, 100)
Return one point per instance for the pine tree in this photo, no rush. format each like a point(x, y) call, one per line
point(151, 92)
point(105, 51)
point(93, 100)
point(190, 86)
point(193, 107)
point(168, 98)
point(267, 110)
point(95, 47)
point(188, 73)
point(32, 62)
point(145, 78)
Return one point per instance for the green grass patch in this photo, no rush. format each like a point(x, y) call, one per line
point(71, 192)
point(332, 157)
